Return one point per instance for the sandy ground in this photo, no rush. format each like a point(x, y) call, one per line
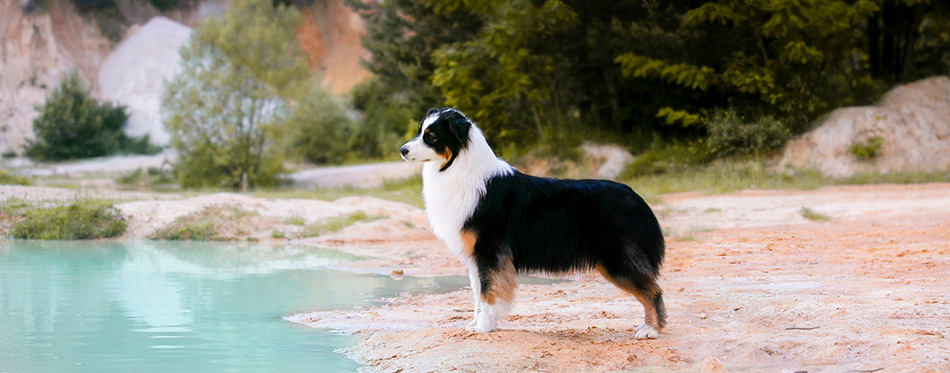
point(750, 285)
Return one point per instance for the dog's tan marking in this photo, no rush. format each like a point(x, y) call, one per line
point(645, 296)
point(503, 284)
point(468, 242)
point(447, 154)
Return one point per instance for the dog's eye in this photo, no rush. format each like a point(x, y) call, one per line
point(429, 136)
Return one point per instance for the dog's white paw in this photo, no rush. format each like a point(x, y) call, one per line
point(645, 331)
point(471, 326)
point(484, 328)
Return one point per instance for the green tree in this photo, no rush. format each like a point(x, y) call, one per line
point(320, 128)
point(401, 34)
point(72, 124)
point(225, 111)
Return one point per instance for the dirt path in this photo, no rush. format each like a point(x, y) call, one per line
point(750, 286)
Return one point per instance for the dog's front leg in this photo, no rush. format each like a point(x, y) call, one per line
point(496, 296)
point(476, 285)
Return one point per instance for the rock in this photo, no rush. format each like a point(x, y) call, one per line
point(608, 160)
point(913, 120)
point(134, 74)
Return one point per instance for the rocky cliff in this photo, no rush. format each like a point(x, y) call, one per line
point(36, 49)
point(38, 46)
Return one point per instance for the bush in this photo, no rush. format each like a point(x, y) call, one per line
point(729, 133)
point(83, 219)
point(321, 130)
point(73, 125)
point(868, 149)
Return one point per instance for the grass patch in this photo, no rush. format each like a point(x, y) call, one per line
point(213, 223)
point(184, 229)
point(295, 220)
point(336, 223)
point(813, 215)
point(730, 175)
point(8, 178)
point(152, 177)
point(82, 219)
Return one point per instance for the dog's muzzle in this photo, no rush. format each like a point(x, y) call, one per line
point(404, 150)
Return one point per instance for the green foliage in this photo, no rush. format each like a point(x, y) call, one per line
point(729, 133)
point(866, 150)
point(9, 178)
point(225, 111)
point(813, 215)
point(640, 68)
point(386, 122)
point(82, 219)
point(71, 124)
point(321, 130)
point(401, 34)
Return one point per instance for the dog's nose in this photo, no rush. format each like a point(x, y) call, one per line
point(404, 150)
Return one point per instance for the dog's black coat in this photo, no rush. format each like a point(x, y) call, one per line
point(565, 225)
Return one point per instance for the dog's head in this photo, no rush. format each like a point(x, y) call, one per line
point(442, 135)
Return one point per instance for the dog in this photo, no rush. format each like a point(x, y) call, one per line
point(499, 221)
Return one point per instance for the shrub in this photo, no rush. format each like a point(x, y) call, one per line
point(83, 219)
point(730, 133)
point(866, 150)
point(322, 132)
point(72, 125)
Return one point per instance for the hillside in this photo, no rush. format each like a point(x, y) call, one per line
point(38, 46)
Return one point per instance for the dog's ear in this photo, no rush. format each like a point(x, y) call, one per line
point(460, 125)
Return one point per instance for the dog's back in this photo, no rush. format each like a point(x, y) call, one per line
point(565, 225)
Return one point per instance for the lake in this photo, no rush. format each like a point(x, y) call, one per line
point(156, 306)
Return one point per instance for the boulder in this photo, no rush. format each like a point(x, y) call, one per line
point(912, 120)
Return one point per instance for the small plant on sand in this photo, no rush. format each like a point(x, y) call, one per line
point(295, 220)
point(82, 219)
point(813, 215)
point(277, 234)
point(338, 222)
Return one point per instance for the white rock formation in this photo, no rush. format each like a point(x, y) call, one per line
point(913, 120)
point(135, 74)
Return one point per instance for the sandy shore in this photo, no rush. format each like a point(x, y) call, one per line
point(750, 284)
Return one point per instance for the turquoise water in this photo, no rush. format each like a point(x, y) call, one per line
point(151, 306)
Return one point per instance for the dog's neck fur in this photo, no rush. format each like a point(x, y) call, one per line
point(452, 195)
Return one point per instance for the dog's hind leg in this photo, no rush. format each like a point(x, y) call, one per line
point(648, 292)
point(497, 295)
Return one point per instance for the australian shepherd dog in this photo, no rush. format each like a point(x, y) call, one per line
point(500, 222)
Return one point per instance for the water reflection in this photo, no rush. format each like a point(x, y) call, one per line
point(180, 306)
